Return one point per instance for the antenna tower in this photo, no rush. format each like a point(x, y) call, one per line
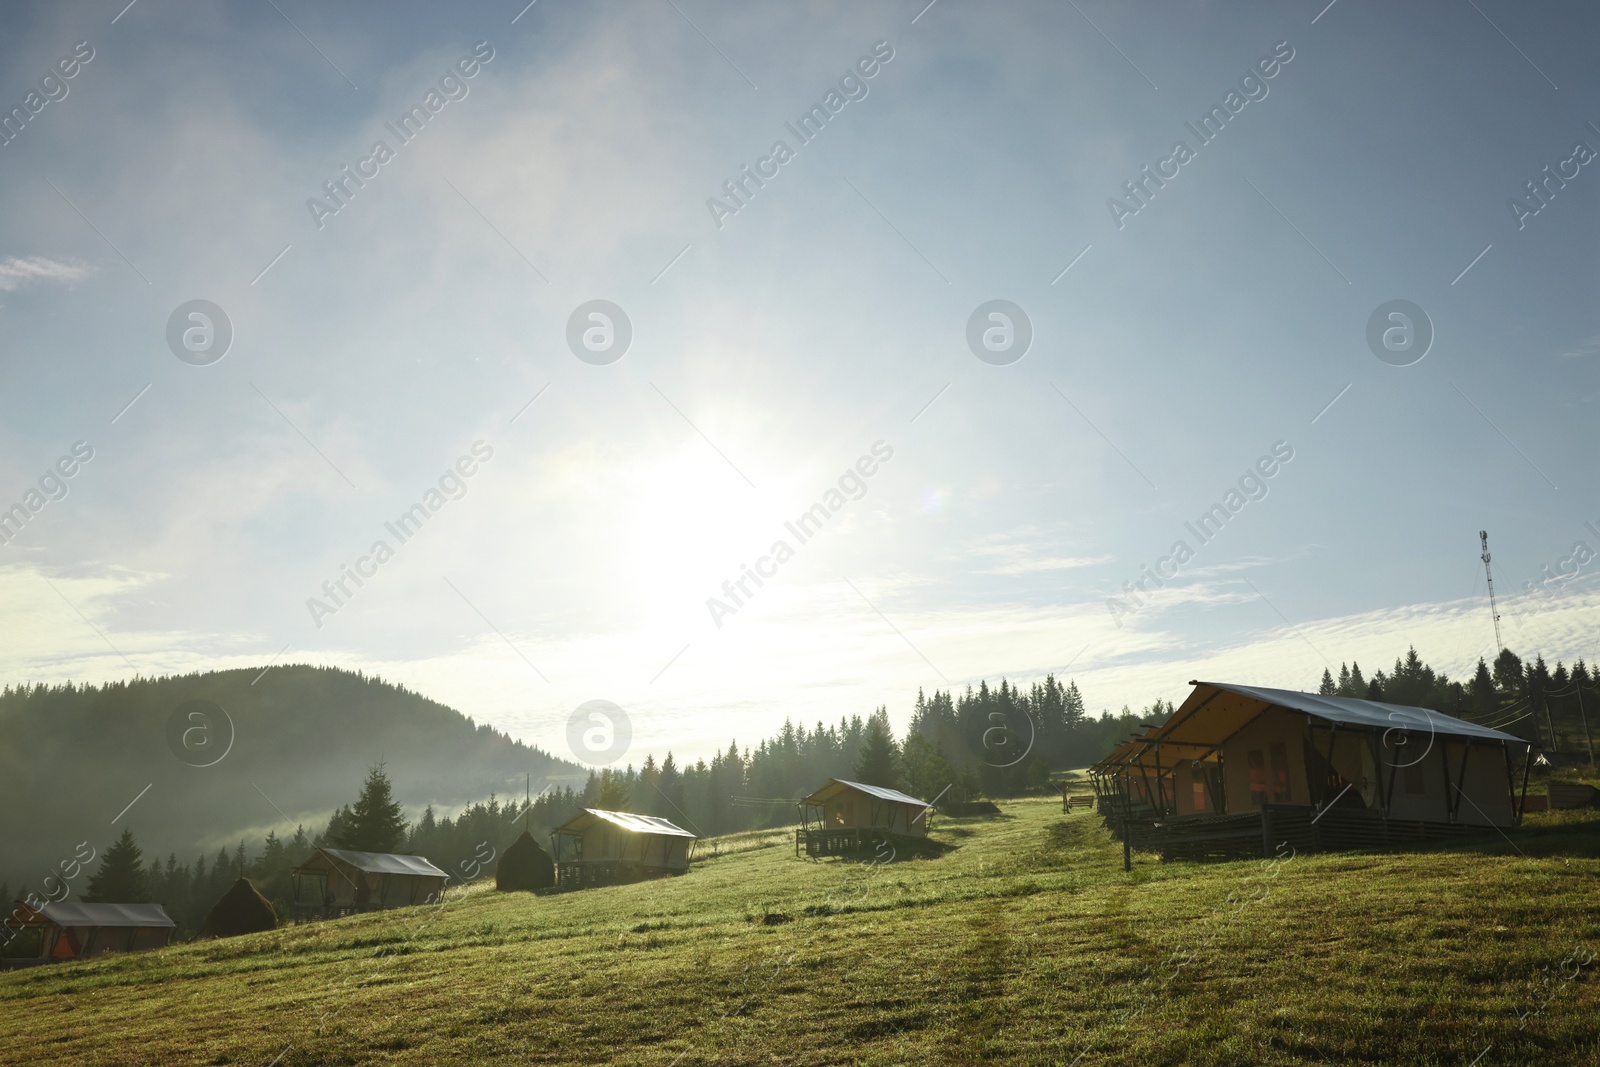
point(1483, 537)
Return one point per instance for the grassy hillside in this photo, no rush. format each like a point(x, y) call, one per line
point(1026, 944)
point(303, 738)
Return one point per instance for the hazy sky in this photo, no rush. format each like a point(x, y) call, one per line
point(1177, 339)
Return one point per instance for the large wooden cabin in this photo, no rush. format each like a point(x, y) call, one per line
point(1244, 770)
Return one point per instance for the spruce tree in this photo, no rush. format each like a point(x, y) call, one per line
point(121, 878)
point(1073, 710)
point(878, 762)
point(376, 823)
point(1358, 683)
point(1327, 687)
point(614, 792)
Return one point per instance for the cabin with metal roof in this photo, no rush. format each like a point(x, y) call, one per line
point(339, 881)
point(1245, 770)
point(598, 847)
point(846, 817)
point(66, 931)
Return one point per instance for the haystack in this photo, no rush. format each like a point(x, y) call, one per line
point(242, 910)
point(525, 866)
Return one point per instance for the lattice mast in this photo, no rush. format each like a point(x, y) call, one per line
point(1483, 537)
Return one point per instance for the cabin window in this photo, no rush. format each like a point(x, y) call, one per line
point(1280, 774)
point(1414, 782)
point(1257, 761)
point(1198, 781)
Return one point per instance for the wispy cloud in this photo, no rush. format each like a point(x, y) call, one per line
point(1584, 349)
point(17, 271)
point(1024, 552)
point(1021, 563)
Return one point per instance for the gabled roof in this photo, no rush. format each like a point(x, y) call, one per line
point(66, 914)
point(635, 824)
point(836, 786)
point(1215, 711)
point(382, 862)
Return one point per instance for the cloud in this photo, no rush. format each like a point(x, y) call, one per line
point(1023, 552)
point(17, 271)
point(1586, 348)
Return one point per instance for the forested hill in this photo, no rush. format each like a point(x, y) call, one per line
point(73, 757)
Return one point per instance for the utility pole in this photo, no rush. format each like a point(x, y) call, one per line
point(1483, 536)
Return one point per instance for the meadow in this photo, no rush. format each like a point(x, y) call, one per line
point(1024, 943)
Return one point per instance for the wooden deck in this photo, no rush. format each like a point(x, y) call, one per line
point(862, 842)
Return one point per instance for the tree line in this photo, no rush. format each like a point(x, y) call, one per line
point(1555, 708)
point(985, 742)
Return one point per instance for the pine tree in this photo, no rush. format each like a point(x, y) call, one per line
point(614, 792)
point(376, 823)
point(121, 878)
point(671, 786)
point(878, 761)
point(1327, 688)
point(1484, 698)
point(1074, 712)
point(1508, 673)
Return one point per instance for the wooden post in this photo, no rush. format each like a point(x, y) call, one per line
point(1451, 801)
point(1161, 790)
point(1527, 766)
point(1548, 721)
point(1461, 778)
point(1375, 742)
point(1585, 717)
point(1127, 827)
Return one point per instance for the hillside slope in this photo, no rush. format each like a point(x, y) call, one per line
point(303, 738)
point(1026, 944)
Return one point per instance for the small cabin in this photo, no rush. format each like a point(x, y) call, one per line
point(597, 847)
point(845, 817)
point(1244, 770)
point(65, 931)
point(338, 881)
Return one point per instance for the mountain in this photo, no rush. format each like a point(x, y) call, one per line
point(302, 740)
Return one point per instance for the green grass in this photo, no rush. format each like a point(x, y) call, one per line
point(1025, 944)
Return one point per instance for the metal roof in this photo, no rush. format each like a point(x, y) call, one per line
point(1355, 712)
point(635, 824)
point(836, 785)
point(107, 915)
point(383, 862)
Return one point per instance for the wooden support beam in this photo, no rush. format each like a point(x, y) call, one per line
point(1449, 801)
point(1527, 767)
point(1461, 777)
point(1375, 742)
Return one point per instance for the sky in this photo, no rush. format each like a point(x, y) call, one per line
point(1215, 341)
